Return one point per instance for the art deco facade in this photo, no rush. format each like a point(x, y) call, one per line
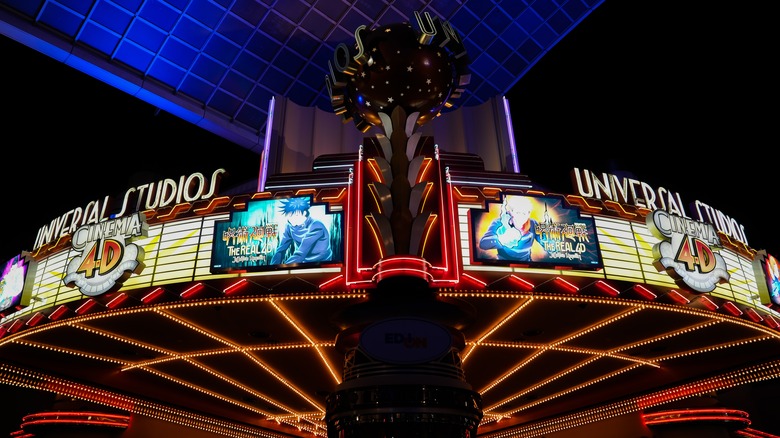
point(168, 311)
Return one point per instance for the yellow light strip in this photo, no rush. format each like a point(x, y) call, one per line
point(70, 352)
point(535, 346)
point(714, 347)
point(511, 372)
point(244, 352)
point(74, 321)
point(526, 301)
point(588, 416)
point(373, 166)
point(372, 225)
point(596, 326)
point(299, 328)
point(573, 388)
point(39, 381)
point(375, 196)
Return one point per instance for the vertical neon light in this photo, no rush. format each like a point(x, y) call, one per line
point(451, 248)
point(511, 131)
point(269, 123)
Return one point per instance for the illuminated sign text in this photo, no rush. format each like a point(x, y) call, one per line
point(640, 194)
point(161, 194)
point(107, 258)
point(686, 251)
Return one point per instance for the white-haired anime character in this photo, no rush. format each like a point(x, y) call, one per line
point(513, 233)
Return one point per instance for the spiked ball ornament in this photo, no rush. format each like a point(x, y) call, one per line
point(394, 66)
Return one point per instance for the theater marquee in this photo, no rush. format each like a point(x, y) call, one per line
point(686, 251)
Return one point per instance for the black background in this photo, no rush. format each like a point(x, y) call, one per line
point(675, 94)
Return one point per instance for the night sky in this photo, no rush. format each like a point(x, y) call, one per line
point(672, 97)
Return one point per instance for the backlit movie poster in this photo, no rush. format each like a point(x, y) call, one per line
point(272, 233)
point(767, 270)
point(533, 231)
point(12, 282)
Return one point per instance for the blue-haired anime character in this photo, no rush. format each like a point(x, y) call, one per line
point(308, 238)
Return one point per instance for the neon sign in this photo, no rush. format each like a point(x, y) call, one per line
point(107, 257)
point(686, 251)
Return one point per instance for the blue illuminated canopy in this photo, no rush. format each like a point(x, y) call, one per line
point(217, 63)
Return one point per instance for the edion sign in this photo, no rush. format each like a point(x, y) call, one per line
point(405, 340)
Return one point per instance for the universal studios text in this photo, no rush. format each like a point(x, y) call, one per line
point(159, 194)
point(625, 190)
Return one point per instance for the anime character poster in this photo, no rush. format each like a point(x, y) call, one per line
point(272, 233)
point(534, 231)
point(773, 279)
point(767, 271)
point(13, 280)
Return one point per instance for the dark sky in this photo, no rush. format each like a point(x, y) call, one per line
point(677, 94)
point(675, 97)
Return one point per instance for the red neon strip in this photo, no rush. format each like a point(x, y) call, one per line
point(724, 418)
point(771, 322)
point(353, 255)
point(58, 313)
point(76, 418)
point(731, 308)
point(451, 250)
point(566, 285)
point(387, 273)
point(191, 291)
point(752, 433)
point(153, 295)
point(444, 272)
point(326, 283)
point(235, 287)
point(694, 412)
point(358, 208)
point(706, 302)
point(86, 306)
point(117, 301)
point(677, 297)
point(15, 326)
point(78, 422)
point(526, 285)
point(35, 319)
point(755, 317)
point(349, 263)
point(411, 262)
point(644, 292)
point(606, 288)
point(475, 280)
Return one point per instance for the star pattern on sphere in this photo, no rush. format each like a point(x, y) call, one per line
point(401, 72)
